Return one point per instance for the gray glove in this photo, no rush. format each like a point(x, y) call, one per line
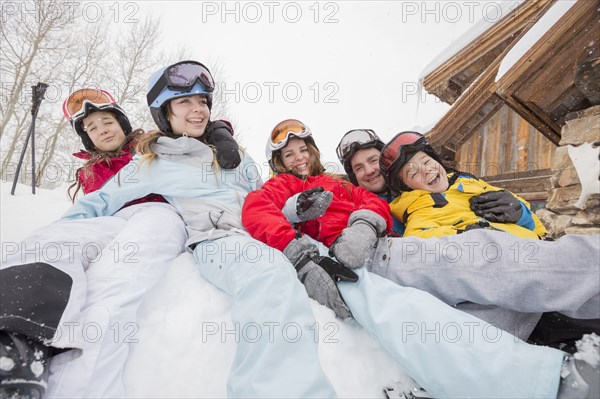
point(300, 248)
point(355, 247)
point(307, 205)
point(497, 206)
point(318, 283)
point(320, 286)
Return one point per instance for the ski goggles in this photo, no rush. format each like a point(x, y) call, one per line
point(352, 140)
point(182, 76)
point(400, 150)
point(78, 102)
point(284, 130)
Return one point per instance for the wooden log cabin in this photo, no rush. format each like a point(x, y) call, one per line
point(512, 88)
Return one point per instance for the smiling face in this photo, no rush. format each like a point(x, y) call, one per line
point(365, 165)
point(189, 115)
point(424, 173)
point(296, 157)
point(104, 130)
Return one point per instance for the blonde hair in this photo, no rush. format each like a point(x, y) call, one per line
point(144, 148)
point(315, 168)
point(96, 157)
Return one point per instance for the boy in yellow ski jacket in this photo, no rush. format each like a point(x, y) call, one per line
point(436, 201)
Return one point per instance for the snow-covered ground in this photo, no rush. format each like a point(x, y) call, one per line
point(185, 343)
point(178, 351)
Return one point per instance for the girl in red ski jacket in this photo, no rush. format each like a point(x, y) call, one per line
point(262, 213)
point(319, 206)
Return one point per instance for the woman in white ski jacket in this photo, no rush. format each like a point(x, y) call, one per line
point(178, 164)
point(411, 325)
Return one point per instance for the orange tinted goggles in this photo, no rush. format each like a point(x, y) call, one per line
point(283, 130)
point(75, 104)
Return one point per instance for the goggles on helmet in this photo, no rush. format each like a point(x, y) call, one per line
point(399, 151)
point(352, 140)
point(182, 76)
point(78, 103)
point(284, 130)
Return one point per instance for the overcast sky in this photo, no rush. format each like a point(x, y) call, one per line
point(334, 65)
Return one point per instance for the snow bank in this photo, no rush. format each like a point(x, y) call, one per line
point(186, 343)
point(588, 349)
point(176, 354)
point(24, 212)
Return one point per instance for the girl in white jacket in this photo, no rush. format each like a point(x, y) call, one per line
point(177, 162)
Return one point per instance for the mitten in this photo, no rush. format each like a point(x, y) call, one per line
point(219, 134)
point(355, 247)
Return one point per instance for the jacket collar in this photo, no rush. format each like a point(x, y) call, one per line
point(181, 148)
point(83, 154)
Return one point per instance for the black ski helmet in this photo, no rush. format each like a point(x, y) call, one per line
point(83, 102)
point(398, 151)
point(351, 142)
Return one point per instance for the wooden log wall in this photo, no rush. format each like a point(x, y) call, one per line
point(506, 144)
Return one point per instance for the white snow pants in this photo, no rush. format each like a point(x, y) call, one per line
point(111, 261)
point(279, 357)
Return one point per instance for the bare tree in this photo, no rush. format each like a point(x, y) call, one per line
point(35, 47)
point(22, 44)
point(67, 53)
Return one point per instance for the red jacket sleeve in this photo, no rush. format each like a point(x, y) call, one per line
point(261, 213)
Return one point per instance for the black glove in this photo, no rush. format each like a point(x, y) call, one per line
point(479, 225)
point(313, 203)
point(497, 206)
point(220, 135)
point(336, 270)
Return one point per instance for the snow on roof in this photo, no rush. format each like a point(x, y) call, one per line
point(487, 21)
point(534, 34)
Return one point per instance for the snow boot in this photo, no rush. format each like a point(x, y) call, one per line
point(578, 379)
point(23, 367)
point(561, 332)
point(414, 393)
point(405, 388)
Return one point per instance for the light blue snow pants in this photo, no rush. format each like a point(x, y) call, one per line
point(450, 353)
point(276, 355)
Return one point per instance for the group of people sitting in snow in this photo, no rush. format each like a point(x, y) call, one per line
point(400, 238)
